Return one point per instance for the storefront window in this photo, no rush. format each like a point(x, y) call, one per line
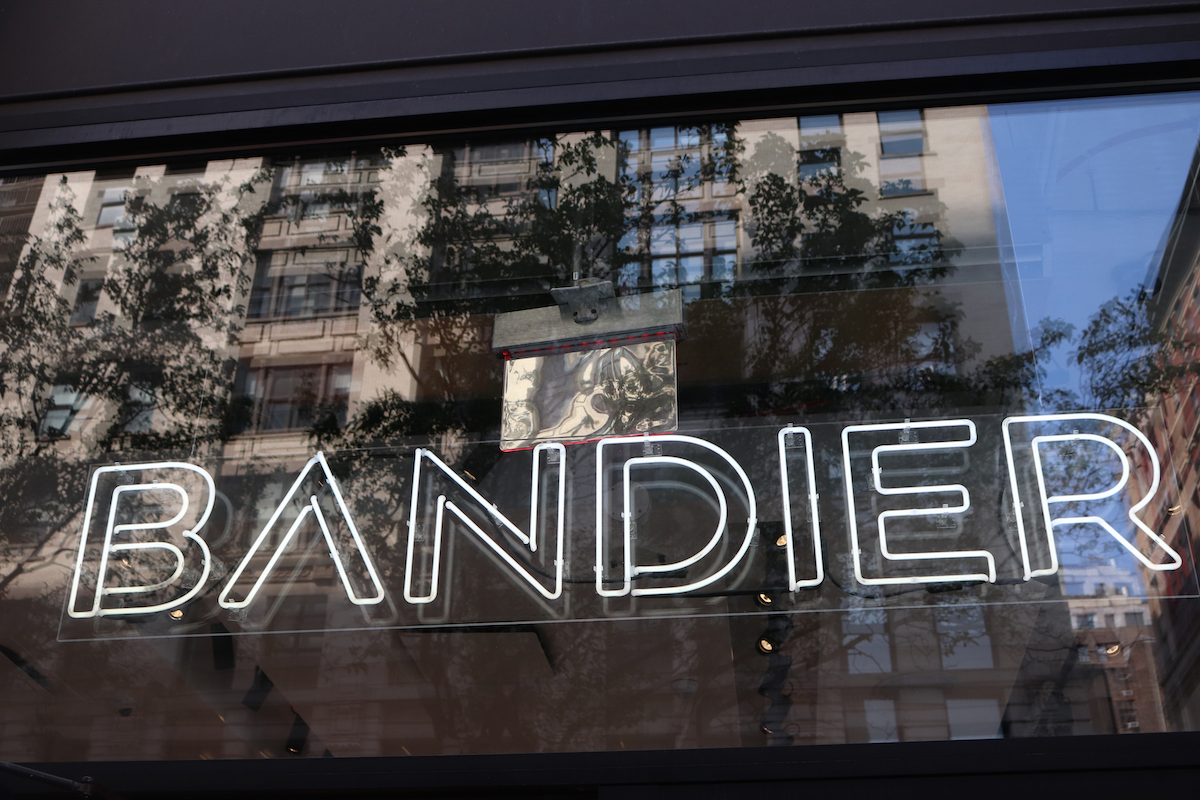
point(862, 427)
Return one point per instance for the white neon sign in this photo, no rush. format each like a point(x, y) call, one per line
point(313, 508)
point(814, 514)
point(528, 541)
point(713, 477)
point(113, 530)
point(1045, 501)
point(911, 491)
point(630, 570)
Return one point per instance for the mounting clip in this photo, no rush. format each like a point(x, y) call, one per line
point(582, 299)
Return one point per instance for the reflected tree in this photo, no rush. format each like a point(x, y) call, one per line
point(1126, 359)
point(148, 370)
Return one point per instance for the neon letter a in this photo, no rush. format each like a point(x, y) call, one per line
point(312, 507)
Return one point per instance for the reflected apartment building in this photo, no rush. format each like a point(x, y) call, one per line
point(1173, 322)
point(297, 346)
point(689, 223)
point(18, 198)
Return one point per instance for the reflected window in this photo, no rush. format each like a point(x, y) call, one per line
point(87, 299)
point(902, 143)
point(112, 215)
point(915, 242)
point(690, 253)
point(901, 132)
point(965, 643)
point(671, 163)
point(63, 406)
point(820, 125)
point(972, 718)
point(18, 197)
point(865, 638)
point(295, 285)
point(112, 207)
point(185, 205)
point(139, 408)
point(19, 191)
point(1127, 718)
point(881, 720)
point(498, 169)
point(814, 164)
point(820, 151)
point(294, 397)
point(315, 189)
point(679, 177)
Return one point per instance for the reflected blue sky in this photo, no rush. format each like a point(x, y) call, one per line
point(1091, 188)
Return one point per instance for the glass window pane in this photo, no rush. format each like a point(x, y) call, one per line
point(823, 125)
point(832, 411)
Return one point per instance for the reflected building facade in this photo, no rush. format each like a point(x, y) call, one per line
point(836, 269)
point(1174, 317)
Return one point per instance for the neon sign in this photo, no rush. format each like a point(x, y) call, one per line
point(883, 493)
point(1046, 501)
point(877, 477)
point(443, 505)
point(313, 508)
point(112, 530)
